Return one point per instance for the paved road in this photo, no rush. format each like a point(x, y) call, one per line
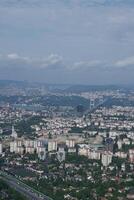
point(24, 189)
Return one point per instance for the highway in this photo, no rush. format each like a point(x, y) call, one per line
point(25, 190)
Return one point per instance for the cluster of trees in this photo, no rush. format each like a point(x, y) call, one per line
point(118, 102)
point(54, 100)
point(8, 193)
point(24, 126)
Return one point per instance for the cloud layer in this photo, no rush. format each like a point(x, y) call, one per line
point(54, 69)
point(66, 2)
point(92, 41)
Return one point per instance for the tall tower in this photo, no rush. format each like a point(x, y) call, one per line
point(101, 101)
point(92, 103)
point(14, 134)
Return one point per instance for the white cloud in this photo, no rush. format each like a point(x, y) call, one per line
point(14, 60)
point(13, 56)
point(86, 65)
point(125, 62)
point(54, 68)
point(55, 61)
point(52, 60)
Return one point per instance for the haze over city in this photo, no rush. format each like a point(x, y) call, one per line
point(77, 41)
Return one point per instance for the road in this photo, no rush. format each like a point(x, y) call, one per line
point(25, 190)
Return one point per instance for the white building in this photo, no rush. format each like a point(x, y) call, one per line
point(121, 154)
point(70, 143)
point(30, 150)
point(1, 148)
point(13, 146)
point(95, 155)
point(14, 133)
point(19, 150)
point(120, 143)
point(106, 159)
point(17, 147)
point(83, 151)
point(123, 167)
point(52, 145)
point(126, 141)
point(29, 143)
point(131, 155)
point(38, 143)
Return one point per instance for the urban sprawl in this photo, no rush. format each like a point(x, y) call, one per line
point(71, 152)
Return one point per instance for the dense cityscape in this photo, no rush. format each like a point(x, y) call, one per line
point(74, 143)
point(66, 99)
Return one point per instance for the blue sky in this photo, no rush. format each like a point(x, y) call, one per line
point(67, 41)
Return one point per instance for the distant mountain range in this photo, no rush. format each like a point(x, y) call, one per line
point(67, 88)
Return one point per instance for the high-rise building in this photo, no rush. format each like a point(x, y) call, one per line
point(39, 143)
point(52, 145)
point(95, 155)
point(17, 147)
point(1, 148)
point(119, 143)
point(70, 143)
point(106, 158)
point(29, 143)
point(13, 146)
point(131, 155)
point(30, 150)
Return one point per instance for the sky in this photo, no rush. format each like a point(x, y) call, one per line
point(67, 41)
